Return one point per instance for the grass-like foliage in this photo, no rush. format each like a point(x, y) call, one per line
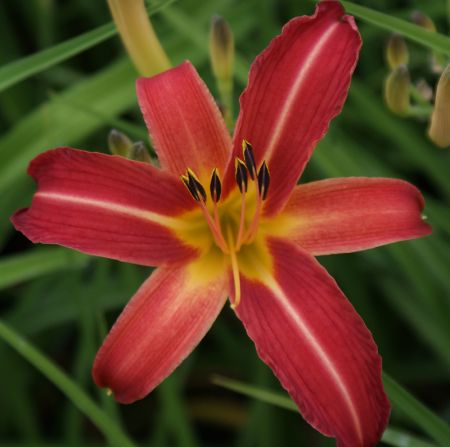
point(66, 80)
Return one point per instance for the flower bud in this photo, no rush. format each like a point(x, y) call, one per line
point(396, 51)
point(397, 90)
point(138, 36)
point(439, 131)
point(139, 152)
point(438, 59)
point(424, 89)
point(221, 48)
point(119, 143)
point(419, 18)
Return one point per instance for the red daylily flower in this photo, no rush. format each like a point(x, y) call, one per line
point(252, 236)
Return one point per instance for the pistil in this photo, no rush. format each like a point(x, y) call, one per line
point(234, 269)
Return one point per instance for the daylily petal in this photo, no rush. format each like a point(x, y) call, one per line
point(296, 86)
point(343, 215)
point(105, 205)
point(184, 122)
point(306, 330)
point(157, 330)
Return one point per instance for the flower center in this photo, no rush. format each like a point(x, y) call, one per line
point(231, 234)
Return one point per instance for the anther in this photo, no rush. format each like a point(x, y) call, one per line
point(249, 158)
point(263, 180)
point(195, 185)
point(241, 175)
point(193, 191)
point(215, 186)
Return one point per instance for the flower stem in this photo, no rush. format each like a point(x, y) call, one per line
point(225, 88)
point(78, 397)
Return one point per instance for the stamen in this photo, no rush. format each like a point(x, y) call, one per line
point(235, 270)
point(241, 224)
point(249, 158)
point(216, 232)
point(215, 186)
point(193, 191)
point(263, 180)
point(242, 182)
point(241, 175)
point(263, 187)
point(199, 194)
point(251, 233)
point(195, 184)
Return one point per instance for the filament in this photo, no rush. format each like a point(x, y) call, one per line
point(241, 223)
point(215, 230)
point(250, 235)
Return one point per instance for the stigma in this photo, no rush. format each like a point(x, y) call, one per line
point(236, 226)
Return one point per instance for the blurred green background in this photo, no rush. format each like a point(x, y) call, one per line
point(63, 302)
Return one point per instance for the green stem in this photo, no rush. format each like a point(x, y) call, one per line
point(78, 397)
point(420, 112)
point(225, 88)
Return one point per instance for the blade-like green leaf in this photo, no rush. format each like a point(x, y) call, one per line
point(25, 67)
point(403, 401)
point(79, 398)
point(54, 123)
point(34, 263)
point(271, 397)
point(399, 397)
point(434, 41)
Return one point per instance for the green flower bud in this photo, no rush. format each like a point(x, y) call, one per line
point(396, 52)
point(221, 48)
point(419, 18)
point(119, 143)
point(139, 152)
point(397, 90)
point(439, 131)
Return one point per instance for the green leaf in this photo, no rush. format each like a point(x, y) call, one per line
point(37, 262)
point(403, 401)
point(270, 397)
point(28, 66)
point(25, 67)
point(399, 438)
point(79, 398)
point(434, 41)
point(53, 122)
point(399, 397)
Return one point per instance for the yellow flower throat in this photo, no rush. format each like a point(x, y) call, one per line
point(234, 225)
